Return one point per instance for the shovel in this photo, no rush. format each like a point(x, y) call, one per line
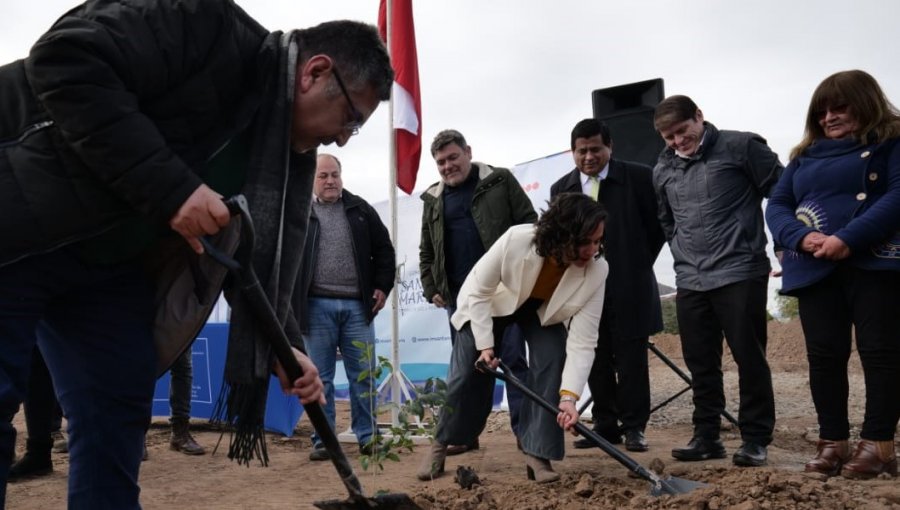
point(273, 332)
point(658, 486)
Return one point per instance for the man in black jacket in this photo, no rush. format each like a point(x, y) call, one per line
point(348, 271)
point(619, 380)
point(125, 126)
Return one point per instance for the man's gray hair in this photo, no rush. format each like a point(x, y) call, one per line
point(445, 138)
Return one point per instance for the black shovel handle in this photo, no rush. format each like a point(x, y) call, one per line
point(507, 377)
point(271, 328)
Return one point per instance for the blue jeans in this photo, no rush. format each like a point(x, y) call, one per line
point(96, 337)
point(334, 324)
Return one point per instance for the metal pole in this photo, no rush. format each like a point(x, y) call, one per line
point(392, 194)
point(684, 377)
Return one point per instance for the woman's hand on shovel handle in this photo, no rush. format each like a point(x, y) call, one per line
point(308, 387)
point(568, 416)
point(487, 357)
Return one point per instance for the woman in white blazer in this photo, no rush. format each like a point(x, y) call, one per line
point(547, 278)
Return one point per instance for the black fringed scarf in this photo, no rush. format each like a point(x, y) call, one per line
point(279, 192)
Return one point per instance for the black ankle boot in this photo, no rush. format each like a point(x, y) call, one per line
point(36, 461)
point(182, 440)
point(31, 465)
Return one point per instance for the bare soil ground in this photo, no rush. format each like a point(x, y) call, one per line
point(590, 479)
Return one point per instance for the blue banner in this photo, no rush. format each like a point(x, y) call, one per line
point(208, 356)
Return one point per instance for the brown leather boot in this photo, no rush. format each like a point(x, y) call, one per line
point(182, 440)
point(540, 470)
point(432, 465)
point(830, 457)
point(870, 459)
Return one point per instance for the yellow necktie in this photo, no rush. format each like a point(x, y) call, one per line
point(595, 187)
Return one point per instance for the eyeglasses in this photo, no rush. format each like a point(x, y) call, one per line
point(356, 121)
point(839, 109)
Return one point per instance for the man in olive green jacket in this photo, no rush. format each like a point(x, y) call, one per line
point(492, 200)
point(464, 213)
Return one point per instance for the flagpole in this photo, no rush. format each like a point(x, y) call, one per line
point(395, 324)
point(399, 386)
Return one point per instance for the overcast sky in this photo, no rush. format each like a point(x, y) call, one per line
point(515, 75)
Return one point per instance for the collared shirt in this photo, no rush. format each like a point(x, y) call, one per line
point(586, 179)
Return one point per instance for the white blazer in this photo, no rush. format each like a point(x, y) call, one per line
point(502, 280)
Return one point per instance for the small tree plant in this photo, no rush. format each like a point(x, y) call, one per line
point(425, 407)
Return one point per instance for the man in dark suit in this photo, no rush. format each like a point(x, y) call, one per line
point(619, 379)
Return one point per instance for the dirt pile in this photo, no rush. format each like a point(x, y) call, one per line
point(590, 478)
point(731, 489)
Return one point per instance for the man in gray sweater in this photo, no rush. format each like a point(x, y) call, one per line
point(348, 271)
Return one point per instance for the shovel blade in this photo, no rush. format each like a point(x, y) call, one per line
point(671, 486)
point(379, 502)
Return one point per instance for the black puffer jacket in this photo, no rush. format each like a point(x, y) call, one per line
point(115, 111)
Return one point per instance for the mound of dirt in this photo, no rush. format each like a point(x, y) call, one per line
point(590, 479)
point(728, 489)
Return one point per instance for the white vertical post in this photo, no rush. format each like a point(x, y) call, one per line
point(392, 194)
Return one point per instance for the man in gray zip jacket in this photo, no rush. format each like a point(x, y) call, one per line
point(709, 186)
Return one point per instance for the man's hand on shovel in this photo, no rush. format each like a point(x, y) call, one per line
point(308, 387)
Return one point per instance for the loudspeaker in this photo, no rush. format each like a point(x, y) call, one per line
point(628, 111)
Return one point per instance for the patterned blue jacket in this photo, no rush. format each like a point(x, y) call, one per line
point(842, 188)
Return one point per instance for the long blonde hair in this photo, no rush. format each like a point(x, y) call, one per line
point(878, 119)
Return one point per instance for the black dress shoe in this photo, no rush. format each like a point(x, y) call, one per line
point(587, 443)
point(635, 441)
point(700, 449)
point(750, 455)
point(31, 465)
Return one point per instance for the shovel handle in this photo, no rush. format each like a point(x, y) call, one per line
point(507, 377)
point(272, 331)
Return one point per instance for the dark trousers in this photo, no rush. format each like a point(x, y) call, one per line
point(470, 392)
point(511, 349)
point(620, 383)
point(739, 311)
point(864, 300)
point(42, 413)
point(98, 345)
point(181, 385)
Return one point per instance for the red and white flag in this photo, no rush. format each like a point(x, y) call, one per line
point(407, 121)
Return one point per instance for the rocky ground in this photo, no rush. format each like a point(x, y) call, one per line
point(590, 478)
